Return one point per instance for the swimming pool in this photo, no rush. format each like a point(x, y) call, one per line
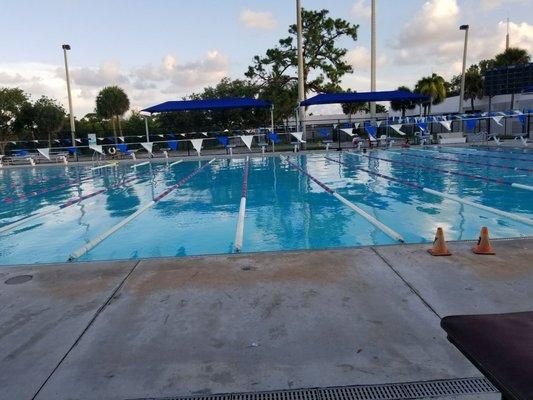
point(285, 208)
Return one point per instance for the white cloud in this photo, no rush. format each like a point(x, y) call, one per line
point(145, 85)
point(359, 59)
point(258, 20)
point(434, 23)
point(361, 9)
point(106, 75)
point(432, 38)
point(488, 5)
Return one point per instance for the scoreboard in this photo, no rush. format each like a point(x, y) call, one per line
point(506, 80)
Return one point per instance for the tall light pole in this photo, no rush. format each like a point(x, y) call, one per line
point(301, 87)
point(462, 95)
point(66, 47)
point(373, 56)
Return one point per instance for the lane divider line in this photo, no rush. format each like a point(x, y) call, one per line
point(68, 203)
point(443, 151)
point(239, 234)
point(175, 163)
point(519, 218)
point(140, 164)
point(483, 178)
point(388, 231)
point(100, 238)
point(113, 164)
point(409, 154)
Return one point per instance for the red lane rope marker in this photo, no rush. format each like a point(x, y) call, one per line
point(465, 162)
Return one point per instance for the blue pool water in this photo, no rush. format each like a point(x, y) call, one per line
point(285, 209)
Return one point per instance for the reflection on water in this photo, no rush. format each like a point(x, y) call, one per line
point(285, 209)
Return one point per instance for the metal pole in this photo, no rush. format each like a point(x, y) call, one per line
point(462, 95)
point(301, 83)
point(146, 129)
point(70, 109)
point(272, 118)
point(373, 57)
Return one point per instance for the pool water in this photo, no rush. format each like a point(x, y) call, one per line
point(285, 209)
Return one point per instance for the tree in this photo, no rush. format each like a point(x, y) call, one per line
point(49, 117)
point(352, 108)
point(12, 100)
point(433, 86)
point(324, 61)
point(453, 86)
point(403, 105)
point(112, 102)
point(473, 84)
point(511, 56)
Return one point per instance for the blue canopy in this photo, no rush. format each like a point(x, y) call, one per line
point(363, 97)
point(210, 104)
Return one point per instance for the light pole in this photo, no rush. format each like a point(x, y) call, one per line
point(462, 95)
point(146, 128)
point(66, 47)
point(373, 57)
point(301, 87)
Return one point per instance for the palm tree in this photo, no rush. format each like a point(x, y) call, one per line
point(403, 105)
point(511, 56)
point(112, 102)
point(434, 87)
point(473, 84)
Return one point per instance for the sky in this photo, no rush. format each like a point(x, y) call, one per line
point(160, 50)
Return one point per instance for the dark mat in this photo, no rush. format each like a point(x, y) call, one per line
point(500, 345)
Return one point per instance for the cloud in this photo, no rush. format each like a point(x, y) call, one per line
point(432, 37)
point(106, 75)
point(189, 75)
point(432, 24)
point(359, 58)
point(489, 5)
point(361, 9)
point(144, 85)
point(258, 20)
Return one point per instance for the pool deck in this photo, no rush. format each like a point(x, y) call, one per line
point(249, 322)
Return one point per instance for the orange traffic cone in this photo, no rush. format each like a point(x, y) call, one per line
point(483, 244)
point(439, 245)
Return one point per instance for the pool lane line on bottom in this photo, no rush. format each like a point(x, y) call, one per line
point(100, 238)
point(239, 233)
point(458, 199)
point(175, 163)
point(483, 178)
point(409, 154)
point(388, 231)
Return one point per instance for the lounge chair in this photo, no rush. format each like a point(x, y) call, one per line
point(125, 151)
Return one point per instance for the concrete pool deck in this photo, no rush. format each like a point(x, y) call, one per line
point(248, 322)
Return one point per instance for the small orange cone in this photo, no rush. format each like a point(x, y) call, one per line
point(483, 244)
point(439, 245)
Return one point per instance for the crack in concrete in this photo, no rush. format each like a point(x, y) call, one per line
point(78, 339)
point(413, 289)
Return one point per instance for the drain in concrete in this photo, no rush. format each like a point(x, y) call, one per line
point(17, 280)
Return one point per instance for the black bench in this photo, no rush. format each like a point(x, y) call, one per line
point(500, 346)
